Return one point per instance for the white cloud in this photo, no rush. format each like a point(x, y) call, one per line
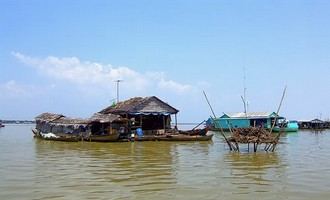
point(85, 73)
point(13, 89)
point(172, 85)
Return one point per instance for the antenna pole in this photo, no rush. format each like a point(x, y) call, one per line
point(118, 81)
point(244, 92)
point(244, 82)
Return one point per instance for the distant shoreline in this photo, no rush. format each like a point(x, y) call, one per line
point(18, 122)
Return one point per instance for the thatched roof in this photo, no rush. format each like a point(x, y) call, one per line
point(48, 117)
point(139, 105)
point(103, 118)
point(63, 120)
point(54, 118)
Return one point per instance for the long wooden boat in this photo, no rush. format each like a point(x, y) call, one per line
point(194, 132)
point(184, 137)
point(103, 138)
point(144, 138)
point(53, 137)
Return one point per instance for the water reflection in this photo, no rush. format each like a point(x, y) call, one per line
point(254, 172)
point(125, 167)
point(38, 169)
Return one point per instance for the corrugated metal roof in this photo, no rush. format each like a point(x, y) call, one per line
point(250, 114)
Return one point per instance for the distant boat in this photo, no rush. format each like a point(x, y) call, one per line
point(1, 125)
point(287, 126)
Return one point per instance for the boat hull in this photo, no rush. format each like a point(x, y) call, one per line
point(182, 137)
point(291, 126)
point(39, 135)
point(103, 138)
point(277, 129)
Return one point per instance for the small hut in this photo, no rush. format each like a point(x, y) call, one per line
point(150, 114)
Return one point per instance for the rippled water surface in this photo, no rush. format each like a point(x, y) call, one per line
point(36, 169)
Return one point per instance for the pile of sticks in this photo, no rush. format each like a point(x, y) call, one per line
point(252, 135)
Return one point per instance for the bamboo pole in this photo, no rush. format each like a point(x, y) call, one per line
point(207, 100)
point(221, 130)
point(278, 110)
point(231, 132)
point(244, 103)
point(198, 125)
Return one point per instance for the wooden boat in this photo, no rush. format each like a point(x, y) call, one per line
point(53, 137)
point(194, 132)
point(184, 137)
point(144, 138)
point(175, 135)
point(36, 133)
point(103, 138)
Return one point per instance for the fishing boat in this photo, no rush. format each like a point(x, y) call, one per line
point(286, 126)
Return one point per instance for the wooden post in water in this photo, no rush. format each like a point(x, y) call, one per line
point(176, 121)
point(164, 125)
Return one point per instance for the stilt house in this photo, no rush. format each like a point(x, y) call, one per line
point(150, 114)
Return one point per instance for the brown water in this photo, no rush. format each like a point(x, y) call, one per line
point(36, 169)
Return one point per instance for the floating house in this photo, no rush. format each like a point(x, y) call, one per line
point(149, 114)
point(313, 124)
point(244, 120)
point(62, 126)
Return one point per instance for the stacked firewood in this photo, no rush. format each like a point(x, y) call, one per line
point(251, 135)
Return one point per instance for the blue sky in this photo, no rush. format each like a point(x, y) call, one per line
point(63, 56)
